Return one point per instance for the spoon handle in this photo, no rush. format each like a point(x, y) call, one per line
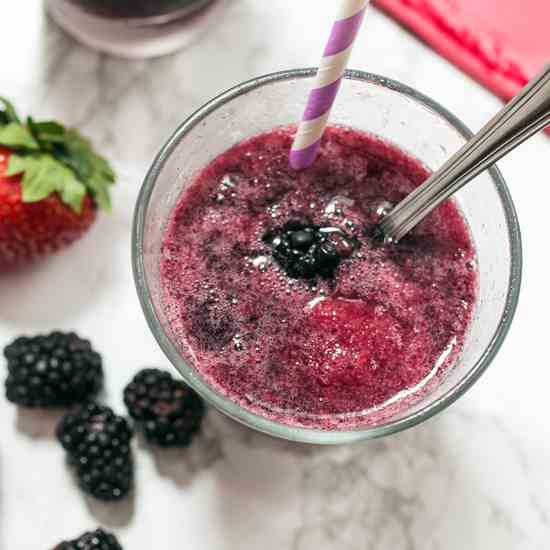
point(527, 113)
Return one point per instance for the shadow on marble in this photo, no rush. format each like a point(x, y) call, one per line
point(132, 106)
point(112, 514)
point(378, 492)
point(182, 465)
point(365, 495)
point(179, 84)
point(57, 288)
point(38, 423)
point(256, 486)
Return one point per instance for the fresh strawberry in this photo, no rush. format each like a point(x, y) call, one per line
point(29, 230)
point(51, 186)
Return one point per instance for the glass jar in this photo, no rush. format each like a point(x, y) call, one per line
point(135, 28)
point(145, 12)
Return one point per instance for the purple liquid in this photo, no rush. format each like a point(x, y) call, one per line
point(138, 8)
point(333, 353)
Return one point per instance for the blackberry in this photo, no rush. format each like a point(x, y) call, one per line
point(94, 540)
point(168, 411)
point(54, 370)
point(305, 250)
point(97, 442)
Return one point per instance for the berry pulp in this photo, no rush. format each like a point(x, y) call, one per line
point(326, 352)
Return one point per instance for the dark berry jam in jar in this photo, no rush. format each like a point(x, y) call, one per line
point(154, 10)
point(136, 29)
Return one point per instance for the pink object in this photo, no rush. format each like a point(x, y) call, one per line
point(501, 43)
point(327, 82)
point(327, 353)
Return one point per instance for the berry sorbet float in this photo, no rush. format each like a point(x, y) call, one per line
point(267, 288)
point(280, 297)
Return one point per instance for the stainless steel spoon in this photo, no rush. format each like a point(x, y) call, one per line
point(523, 116)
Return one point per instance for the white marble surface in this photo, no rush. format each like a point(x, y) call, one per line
point(476, 477)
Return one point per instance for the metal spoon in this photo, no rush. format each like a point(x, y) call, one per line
point(527, 113)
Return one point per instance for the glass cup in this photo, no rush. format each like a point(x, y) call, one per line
point(394, 113)
point(136, 28)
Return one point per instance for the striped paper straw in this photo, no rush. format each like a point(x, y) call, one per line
point(327, 82)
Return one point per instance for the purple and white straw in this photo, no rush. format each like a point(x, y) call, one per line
point(327, 82)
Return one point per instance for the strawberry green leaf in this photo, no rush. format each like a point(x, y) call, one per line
point(38, 182)
point(52, 158)
point(16, 165)
point(16, 136)
point(73, 192)
point(9, 113)
point(43, 175)
point(46, 132)
point(92, 169)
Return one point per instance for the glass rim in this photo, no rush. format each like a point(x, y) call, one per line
point(256, 421)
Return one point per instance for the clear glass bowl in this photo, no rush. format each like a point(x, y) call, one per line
point(391, 111)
